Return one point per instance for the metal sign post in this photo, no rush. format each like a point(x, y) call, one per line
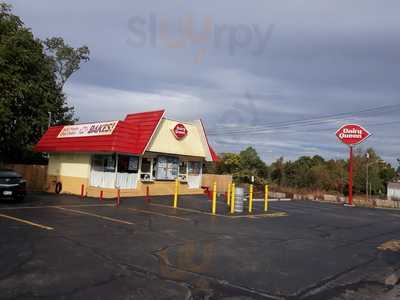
point(351, 176)
point(352, 134)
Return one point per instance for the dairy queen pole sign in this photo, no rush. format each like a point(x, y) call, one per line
point(352, 134)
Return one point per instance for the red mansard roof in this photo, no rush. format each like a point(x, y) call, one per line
point(129, 136)
point(214, 155)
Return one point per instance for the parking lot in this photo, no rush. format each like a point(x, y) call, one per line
point(63, 247)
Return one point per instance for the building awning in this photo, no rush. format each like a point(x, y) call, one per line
point(131, 136)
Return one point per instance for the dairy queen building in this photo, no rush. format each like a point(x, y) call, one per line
point(145, 151)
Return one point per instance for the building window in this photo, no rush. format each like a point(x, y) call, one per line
point(103, 163)
point(146, 165)
point(167, 168)
point(128, 164)
point(183, 167)
point(194, 168)
point(110, 171)
point(146, 169)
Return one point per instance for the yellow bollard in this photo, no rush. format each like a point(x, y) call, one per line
point(266, 198)
point(233, 199)
point(214, 199)
point(228, 195)
point(250, 198)
point(176, 193)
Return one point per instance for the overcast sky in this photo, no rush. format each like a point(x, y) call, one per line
point(237, 64)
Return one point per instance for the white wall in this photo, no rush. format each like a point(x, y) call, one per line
point(69, 164)
point(393, 193)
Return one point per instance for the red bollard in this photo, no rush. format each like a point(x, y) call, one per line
point(147, 198)
point(118, 197)
point(101, 195)
point(82, 191)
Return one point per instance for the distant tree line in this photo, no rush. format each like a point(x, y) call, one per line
point(310, 173)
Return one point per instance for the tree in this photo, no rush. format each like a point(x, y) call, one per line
point(277, 172)
point(229, 163)
point(29, 90)
point(398, 167)
point(66, 60)
point(252, 165)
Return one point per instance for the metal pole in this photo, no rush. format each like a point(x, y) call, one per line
point(233, 199)
point(176, 193)
point(214, 198)
point(229, 194)
point(266, 198)
point(49, 122)
point(367, 184)
point(118, 197)
point(82, 191)
point(250, 198)
point(351, 176)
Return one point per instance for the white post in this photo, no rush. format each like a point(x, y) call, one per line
point(151, 168)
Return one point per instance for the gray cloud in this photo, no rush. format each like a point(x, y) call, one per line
point(321, 58)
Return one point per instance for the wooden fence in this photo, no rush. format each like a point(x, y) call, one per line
point(35, 175)
point(221, 180)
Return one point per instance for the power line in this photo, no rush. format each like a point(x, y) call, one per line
point(309, 121)
point(296, 130)
point(306, 122)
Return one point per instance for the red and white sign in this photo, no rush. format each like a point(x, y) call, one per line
point(91, 129)
point(352, 134)
point(179, 131)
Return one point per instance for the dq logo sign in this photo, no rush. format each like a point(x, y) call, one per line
point(179, 131)
point(352, 134)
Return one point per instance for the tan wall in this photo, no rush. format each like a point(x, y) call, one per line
point(35, 175)
point(157, 188)
point(69, 164)
point(165, 142)
point(221, 180)
point(70, 185)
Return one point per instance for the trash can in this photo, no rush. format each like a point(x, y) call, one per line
point(239, 197)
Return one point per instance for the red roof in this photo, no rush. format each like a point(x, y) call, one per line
point(130, 136)
point(214, 156)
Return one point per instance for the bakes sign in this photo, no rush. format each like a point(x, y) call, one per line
point(91, 129)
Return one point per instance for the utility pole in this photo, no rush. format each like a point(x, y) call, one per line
point(49, 119)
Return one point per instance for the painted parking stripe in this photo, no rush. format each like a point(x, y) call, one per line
point(276, 214)
point(51, 206)
point(186, 209)
point(95, 215)
point(158, 214)
point(26, 222)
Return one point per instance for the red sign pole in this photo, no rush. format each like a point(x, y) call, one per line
point(352, 134)
point(351, 176)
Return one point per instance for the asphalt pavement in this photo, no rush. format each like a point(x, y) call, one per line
point(63, 247)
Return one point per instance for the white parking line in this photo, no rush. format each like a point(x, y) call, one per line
point(26, 222)
point(157, 213)
point(95, 215)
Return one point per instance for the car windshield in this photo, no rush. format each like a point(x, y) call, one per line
point(9, 173)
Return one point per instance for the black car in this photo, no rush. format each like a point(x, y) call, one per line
point(12, 185)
